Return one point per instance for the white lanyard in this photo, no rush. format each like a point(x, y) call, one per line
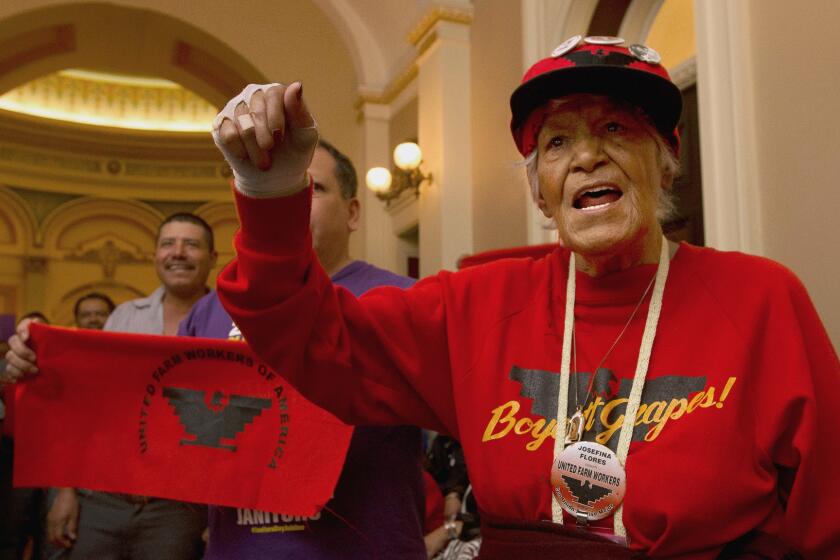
point(635, 396)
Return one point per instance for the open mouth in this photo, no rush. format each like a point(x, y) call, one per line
point(598, 197)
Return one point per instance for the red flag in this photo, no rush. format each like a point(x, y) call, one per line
point(191, 419)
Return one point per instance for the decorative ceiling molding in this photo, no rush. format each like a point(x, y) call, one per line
point(32, 46)
point(426, 42)
point(436, 14)
point(83, 139)
point(112, 100)
point(94, 175)
point(69, 174)
point(57, 157)
point(40, 159)
point(393, 89)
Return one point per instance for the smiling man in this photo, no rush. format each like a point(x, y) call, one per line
point(184, 256)
point(105, 525)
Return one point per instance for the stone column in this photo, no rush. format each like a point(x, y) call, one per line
point(446, 210)
point(380, 242)
point(728, 139)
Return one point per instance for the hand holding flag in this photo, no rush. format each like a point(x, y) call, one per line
point(191, 419)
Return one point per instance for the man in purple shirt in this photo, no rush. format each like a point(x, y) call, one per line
point(377, 509)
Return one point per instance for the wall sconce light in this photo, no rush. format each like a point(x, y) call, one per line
point(389, 185)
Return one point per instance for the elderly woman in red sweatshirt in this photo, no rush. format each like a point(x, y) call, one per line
point(622, 396)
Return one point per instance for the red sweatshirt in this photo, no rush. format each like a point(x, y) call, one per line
point(735, 431)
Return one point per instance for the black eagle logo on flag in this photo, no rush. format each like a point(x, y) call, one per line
point(585, 492)
point(211, 424)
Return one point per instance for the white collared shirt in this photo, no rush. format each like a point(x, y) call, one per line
point(140, 316)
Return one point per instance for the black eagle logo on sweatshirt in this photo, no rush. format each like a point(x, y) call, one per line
point(210, 424)
point(542, 388)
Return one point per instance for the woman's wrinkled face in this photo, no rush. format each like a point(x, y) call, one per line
point(599, 174)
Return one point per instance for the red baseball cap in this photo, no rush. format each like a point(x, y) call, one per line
point(601, 66)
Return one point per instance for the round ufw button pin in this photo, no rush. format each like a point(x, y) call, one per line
point(587, 478)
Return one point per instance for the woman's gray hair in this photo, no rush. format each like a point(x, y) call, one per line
point(666, 208)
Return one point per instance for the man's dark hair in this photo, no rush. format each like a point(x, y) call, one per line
point(192, 219)
point(345, 173)
point(35, 315)
point(94, 295)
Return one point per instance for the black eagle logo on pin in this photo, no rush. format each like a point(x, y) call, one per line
point(585, 492)
point(210, 424)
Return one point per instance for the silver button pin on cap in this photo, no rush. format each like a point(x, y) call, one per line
point(566, 46)
point(645, 54)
